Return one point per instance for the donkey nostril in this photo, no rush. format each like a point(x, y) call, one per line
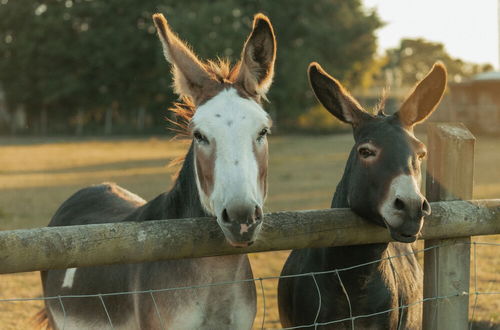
point(426, 208)
point(225, 216)
point(399, 204)
point(258, 214)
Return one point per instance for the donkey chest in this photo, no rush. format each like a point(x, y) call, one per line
point(225, 309)
point(202, 303)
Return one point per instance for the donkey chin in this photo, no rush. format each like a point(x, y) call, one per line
point(241, 235)
point(241, 224)
point(402, 228)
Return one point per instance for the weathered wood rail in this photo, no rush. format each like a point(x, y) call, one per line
point(132, 242)
point(450, 176)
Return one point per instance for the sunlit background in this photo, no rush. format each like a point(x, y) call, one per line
point(469, 30)
point(84, 92)
point(78, 67)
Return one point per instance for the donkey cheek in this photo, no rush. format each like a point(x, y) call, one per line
point(261, 157)
point(205, 169)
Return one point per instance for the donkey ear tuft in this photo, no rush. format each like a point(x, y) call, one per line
point(190, 75)
point(256, 69)
point(333, 96)
point(161, 26)
point(425, 97)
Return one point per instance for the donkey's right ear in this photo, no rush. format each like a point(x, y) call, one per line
point(190, 75)
point(332, 95)
point(256, 69)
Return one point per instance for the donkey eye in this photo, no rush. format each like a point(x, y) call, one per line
point(200, 137)
point(366, 153)
point(263, 133)
point(421, 155)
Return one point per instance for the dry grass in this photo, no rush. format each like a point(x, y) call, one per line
point(36, 176)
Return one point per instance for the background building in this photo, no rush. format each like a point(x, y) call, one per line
point(475, 102)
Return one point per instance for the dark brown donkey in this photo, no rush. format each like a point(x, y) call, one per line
point(380, 183)
point(223, 175)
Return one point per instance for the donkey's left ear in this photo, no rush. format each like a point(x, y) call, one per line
point(257, 59)
point(425, 97)
point(190, 76)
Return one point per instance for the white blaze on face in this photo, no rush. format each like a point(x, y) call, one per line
point(405, 187)
point(231, 124)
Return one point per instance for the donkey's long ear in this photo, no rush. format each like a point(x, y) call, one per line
point(257, 59)
point(332, 95)
point(425, 97)
point(190, 76)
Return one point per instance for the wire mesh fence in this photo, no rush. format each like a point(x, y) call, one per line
point(267, 305)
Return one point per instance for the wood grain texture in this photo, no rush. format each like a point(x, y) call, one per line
point(132, 242)
point(450, 175)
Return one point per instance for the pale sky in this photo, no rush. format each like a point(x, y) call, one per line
point(467, 28)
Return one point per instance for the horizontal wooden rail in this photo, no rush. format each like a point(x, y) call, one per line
point(132, 242)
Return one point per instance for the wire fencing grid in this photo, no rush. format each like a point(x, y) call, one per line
point(313, 275)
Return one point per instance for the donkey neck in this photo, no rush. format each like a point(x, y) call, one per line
point(182, 201)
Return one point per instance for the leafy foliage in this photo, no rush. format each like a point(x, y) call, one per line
point(65, 55)
point(414, 57)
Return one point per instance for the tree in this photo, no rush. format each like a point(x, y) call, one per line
point(338, 34)
point(413, 58)
point(62, 56)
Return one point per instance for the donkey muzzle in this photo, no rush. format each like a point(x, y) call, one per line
point(241, 224)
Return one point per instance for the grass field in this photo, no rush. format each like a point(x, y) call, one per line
point(37, 175)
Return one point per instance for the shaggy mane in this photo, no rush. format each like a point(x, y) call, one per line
point(183, 111)
point(221, 70)
point(378, 110)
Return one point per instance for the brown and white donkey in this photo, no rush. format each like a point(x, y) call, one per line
point(223, 175)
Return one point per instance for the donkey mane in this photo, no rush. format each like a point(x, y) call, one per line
point(221, 70)
point(379, 108)
point(183, 111)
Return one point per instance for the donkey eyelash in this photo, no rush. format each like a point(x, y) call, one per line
point(200, 137)
point(265, 131)
point(366, 153)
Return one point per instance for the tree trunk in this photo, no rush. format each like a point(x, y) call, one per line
point(43, 121)
point(141, 118)
point(19, 119)
point(79, 122)
point(108, 121)
point(108, 124)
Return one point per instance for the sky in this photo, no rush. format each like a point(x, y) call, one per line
point(468, 29)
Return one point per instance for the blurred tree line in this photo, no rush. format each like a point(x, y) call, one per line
point(96, 66)
point(396, 71)
point(93, 66)
point(410, 62)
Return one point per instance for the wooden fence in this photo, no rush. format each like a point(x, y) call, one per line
point(86, 245)
point(453, 220)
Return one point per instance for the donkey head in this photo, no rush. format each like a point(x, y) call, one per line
point(383, 173)
point(229, 126)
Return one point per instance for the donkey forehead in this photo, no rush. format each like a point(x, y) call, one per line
point(387, 133)
point(229, 111)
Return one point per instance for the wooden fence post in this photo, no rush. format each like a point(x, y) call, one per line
point(450, 170)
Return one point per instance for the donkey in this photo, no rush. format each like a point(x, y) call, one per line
point(381, 184)
point(224, 174)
